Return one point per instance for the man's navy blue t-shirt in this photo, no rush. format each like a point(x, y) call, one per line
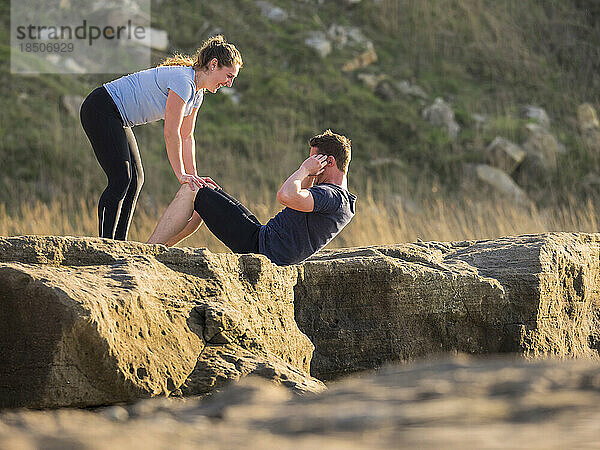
point(292, 236)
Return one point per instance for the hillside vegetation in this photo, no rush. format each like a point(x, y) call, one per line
point(483, 57)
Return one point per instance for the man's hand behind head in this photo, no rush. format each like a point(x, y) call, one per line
point(314, 165)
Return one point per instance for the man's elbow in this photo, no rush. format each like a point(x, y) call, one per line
point(282, 197)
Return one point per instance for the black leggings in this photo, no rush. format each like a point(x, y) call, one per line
point(228, 220)
point(117, 152)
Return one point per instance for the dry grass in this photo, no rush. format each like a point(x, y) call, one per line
point(383, 221)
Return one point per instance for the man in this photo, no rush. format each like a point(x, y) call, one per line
point(317, 207)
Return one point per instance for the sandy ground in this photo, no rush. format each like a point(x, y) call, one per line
point(456, 402)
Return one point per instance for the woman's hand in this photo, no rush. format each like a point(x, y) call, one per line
point(194, 181)
point(210, 183)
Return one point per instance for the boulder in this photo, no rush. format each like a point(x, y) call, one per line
point(153, 38)
point(385, 90)
point(343, 36)
point(587, 117)
point(271, 12)
point(537, 114)
point(353, 41)
point(497, 180)
point(318, 41)
point(411, 89)
point(479, 120)
point(440, 114)
point(159, 39)
point(364, 59)
point(451, 402)
point(542, 150)
point(504, 154)
point(589, 127)
point(70, 65)
point(371, 80)
point(87, 321)
point(531, 294)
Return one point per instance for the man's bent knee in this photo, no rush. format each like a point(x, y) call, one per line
point(202, 195)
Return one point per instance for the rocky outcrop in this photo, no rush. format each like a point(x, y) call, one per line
point(532, 294)
point(449, 403)
point(87, 321)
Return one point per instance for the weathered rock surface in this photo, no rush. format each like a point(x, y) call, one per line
point(86, 321)
point(533, 294)
point(449, 403)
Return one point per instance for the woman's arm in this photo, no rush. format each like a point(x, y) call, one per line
point(174, 141)
point(188, 142)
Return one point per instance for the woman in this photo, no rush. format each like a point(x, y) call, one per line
point(173, 91)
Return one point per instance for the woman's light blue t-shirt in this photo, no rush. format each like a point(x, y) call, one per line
point(142, 96)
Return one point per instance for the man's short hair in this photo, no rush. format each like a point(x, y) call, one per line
point(336, 145)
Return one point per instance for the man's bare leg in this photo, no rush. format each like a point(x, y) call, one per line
point(177, 218)
point(192, 225)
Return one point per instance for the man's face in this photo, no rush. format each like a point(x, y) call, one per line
point(222, 76)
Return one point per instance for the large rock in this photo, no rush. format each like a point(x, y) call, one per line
point(589, 126)
point(587, 117)
point(272, 12)
point(497, 180)
point(87, 321)
point(532, 294)
point(319, 42)
point(537, 114)
point(448, 403)
point(542, 150)
point(411, 89)
point(364, 59)
point(440, 114)
point(504, 154)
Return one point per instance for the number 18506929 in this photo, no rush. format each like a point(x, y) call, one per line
point(44, 47)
